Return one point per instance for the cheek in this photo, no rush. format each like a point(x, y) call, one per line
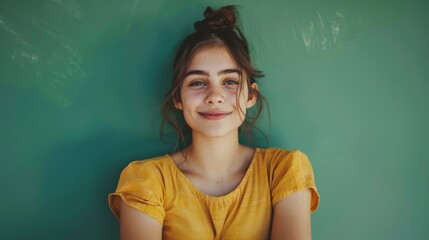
point(190, 98)
point(242, 107)
point(241, 99)
point(190, 104)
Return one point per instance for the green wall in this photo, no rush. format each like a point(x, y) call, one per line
point(81, 84)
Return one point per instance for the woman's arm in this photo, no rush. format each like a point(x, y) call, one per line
point(136, 225)
point(292, 217)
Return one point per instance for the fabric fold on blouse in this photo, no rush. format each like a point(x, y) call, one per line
point(159, 189)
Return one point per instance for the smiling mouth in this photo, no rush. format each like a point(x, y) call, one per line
point(214, 115)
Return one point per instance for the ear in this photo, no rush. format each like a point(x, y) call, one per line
point(251, 100)
point(177, 105)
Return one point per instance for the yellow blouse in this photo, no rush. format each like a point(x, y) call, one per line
point(159, 189)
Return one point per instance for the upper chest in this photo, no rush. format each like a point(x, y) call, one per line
point(191, 214)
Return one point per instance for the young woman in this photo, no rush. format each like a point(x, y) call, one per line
point(216, 188)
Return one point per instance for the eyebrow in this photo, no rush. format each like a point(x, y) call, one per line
point(201, 72)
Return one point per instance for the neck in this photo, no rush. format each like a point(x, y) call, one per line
point(213, 157)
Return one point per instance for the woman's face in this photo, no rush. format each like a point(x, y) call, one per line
point(211, 91)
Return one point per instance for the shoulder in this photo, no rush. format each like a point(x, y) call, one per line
point(149, 164)
point(142, 186)
point(278, 156)
point(152, 169)
point(289, 171)
point(286, 166)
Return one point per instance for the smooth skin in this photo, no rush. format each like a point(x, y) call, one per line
point(135, 225)
point(211, 86)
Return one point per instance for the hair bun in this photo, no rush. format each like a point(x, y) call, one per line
point(216, 20)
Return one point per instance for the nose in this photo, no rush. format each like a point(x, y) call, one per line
point(214, 96)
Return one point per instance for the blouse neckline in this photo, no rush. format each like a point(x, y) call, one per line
point(228, 196)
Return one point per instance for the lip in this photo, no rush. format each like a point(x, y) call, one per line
point(214, 115)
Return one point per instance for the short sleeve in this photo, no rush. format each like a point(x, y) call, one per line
point(139, 187)
point(292, 172)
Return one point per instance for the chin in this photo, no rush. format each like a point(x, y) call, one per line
point(217, 132)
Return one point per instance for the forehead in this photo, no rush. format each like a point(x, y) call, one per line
point(214, 58)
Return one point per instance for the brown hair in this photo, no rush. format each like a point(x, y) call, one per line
point(219, 28)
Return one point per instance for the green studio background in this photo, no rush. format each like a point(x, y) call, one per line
point(81, 84)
